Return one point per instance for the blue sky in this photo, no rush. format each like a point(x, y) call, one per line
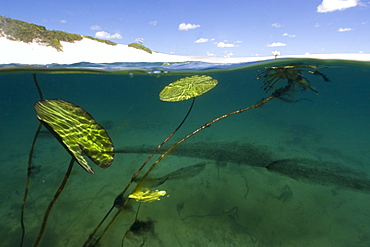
point(235, 28)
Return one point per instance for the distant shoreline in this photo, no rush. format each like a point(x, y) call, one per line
point(88, 50)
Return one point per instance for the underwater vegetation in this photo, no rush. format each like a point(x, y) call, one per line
point(293, 75)
point(77, 131)
point(82, 136)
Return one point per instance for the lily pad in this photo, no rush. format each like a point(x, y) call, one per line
point(77, 130)
point(187, 87)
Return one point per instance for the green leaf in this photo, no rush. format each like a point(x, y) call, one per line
point(187, 87)
point(77, 131)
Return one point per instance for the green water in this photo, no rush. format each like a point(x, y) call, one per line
point(315, 192)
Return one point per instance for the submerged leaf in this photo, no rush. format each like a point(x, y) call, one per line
point(187, 87)
point(147, 196)
point(77, 131)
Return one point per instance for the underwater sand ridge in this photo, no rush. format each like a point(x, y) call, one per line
point(303, 169)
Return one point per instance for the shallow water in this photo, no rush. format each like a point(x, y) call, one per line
point(284, 174)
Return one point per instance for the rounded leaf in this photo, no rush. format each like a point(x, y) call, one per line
point(187, 87)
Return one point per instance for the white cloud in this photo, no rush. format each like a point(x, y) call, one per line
point(153, 23)
point(222, 44)
point(276, 44)
point(317, 25)
point(346, 29)
point(229, 54)
point(116, 36)
point(105, 35)
point(289, 35)
point(201, 40)
point(140, 40)
point(239, 41)
point(277, 25)
point(63, 21)
point(95, 27)
point(188, 26)
point(210, 54)
point(333, 5)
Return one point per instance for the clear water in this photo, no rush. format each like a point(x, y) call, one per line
point(318, 196)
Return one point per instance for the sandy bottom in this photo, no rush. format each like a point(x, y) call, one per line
point(226, 204)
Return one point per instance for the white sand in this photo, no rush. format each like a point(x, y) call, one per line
point(88, 50)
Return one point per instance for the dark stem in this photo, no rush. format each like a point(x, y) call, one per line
point(29, 171)
point(37, 86)
point(52, 202)
point(29, 166)
point(198, 130)
point(135, 175)
point(263, 101)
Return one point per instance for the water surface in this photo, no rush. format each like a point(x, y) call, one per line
point(284, 174)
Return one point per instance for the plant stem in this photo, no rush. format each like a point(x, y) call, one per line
point(29, 172)
point(263, 101)
point(137, 173)
point(52, 202)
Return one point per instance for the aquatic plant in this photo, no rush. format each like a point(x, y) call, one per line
point(182, 89)
point(79, 133)
point(147, 196)
point(291, 78)
point(186, 88)
point(292, 74)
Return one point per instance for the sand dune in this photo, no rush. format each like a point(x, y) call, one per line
point(88, 50)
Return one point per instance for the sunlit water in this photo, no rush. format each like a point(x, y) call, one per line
point(318, 196)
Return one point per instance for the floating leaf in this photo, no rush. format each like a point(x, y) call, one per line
point(147, 196)
point(292, 74)
point(187, 87)
point(77, 131)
